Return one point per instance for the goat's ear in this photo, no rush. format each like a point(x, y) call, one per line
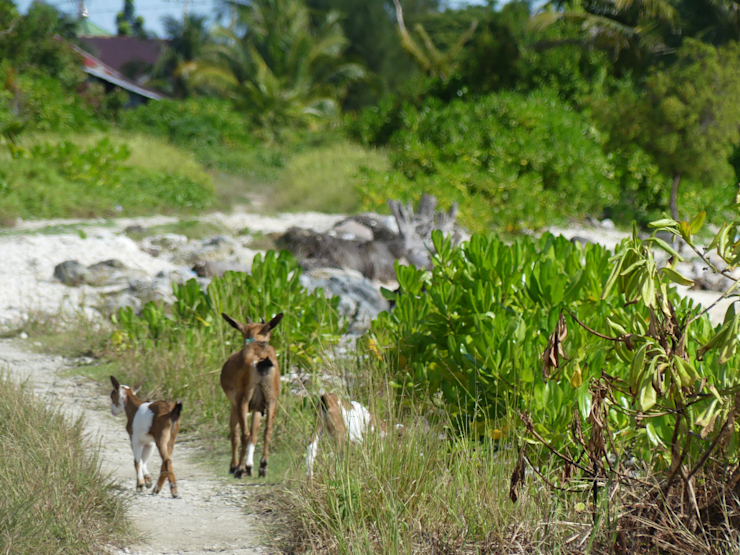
point(272, 324)
point(263, 321)
point(115, 383)
point(233, 323)
point(137, 387)
point(249, 320)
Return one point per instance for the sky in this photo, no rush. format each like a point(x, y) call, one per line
point(103, 12)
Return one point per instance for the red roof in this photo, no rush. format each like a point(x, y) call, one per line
point(94, 66)
point(116, 52)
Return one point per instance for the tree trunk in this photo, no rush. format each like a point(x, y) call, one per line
point(674, 195)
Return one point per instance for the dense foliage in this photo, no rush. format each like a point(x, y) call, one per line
point(65, 179)
point(509, 160)
point(471, 337)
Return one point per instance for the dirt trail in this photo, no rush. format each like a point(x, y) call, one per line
point(207, 518)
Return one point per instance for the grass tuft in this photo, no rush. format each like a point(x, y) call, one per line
point(324, 179)
point(55, 498)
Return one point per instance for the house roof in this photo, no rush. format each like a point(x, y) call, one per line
point(116, 52)
point(95, 67)
point(86, 28)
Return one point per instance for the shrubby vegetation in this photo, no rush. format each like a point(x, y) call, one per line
point(509, 160)
point(64, 179)
point(623, 110)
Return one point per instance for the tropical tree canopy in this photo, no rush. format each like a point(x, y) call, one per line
point(187, 40)
point(277, 66)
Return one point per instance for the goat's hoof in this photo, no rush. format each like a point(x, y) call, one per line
point(147, 482)
point(238, 473)
point(232, 469)
point(249, 471)
point(173, 491)
point(139, 487)
point(155, 491)
point(263, 469)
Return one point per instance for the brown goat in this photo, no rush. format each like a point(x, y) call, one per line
point(148, 424)
point(251, 380)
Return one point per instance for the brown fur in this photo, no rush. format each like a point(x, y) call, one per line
point(251, 380)
point(330, 418)
point(164, 429)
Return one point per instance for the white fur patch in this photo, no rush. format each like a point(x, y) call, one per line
point(311, 452)
point(142, 425)
point(250, 454)
point(356, 420)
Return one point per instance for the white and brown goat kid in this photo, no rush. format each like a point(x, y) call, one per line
point(148, 424)
point(343, 420)
point(251, 380)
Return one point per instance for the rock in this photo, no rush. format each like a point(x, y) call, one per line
point(108, 272)
point(384, 228)
point(360, 299)
point(353, 231)
point(218, 248)
point(113, 303)
point(168, 242)
point(70, 273)
point(136, 228)
point(217, 268)
point(606, 223)
point(582, 240)
point(372, 259)
point(379, 261)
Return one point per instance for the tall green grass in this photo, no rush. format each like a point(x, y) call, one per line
point(55, 499)
point(325, 179)
point(420, 489)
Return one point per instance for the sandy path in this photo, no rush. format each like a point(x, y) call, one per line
point(207, 518)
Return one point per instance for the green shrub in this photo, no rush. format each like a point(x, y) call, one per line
point(63, 179)
point(509, 160)
point(472, 340)
point(194, 123)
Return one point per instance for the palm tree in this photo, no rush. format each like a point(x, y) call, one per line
point(187, 40)
point(276, 65)
point(635, 25)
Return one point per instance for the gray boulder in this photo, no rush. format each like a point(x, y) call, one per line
point(70, 273)
point(360, 299)
point(108, 272)
point(353, 231)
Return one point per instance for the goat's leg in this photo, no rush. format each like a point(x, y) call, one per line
point(234, 428)
point(313, 446)
point(243, 415)
point(138, 449)
point(146, 452)
point(167, 471)
point(270, 416)
point(256, 421)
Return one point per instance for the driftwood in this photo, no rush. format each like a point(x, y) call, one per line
point(415, 230)
point(411, 242)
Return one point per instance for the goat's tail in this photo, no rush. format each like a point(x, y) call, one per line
point(175, 414)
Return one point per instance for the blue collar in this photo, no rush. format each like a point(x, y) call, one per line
point(248, 340)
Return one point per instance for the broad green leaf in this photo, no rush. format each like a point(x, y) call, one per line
point(697, 223)
point(675, 277)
